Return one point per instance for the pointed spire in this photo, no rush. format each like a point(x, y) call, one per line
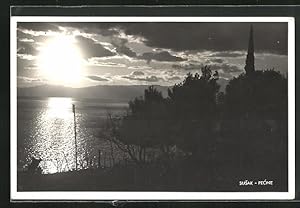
point(250, 56)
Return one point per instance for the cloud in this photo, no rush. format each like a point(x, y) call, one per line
point(22, 35)
point(24, 79)
point(91, 49)
point(27, 40)
point(38, 26)
point(173, 48)
point(96, 61)
point(121, 48)
point(104, 29)
point(210, 36)
point(174, 78)
point(188, 66)
point(225, 67)
point(26, 48)
point(161, 56)
point(26, 65)
point(107, 30)
point(232, 54)
point(125, 50)
point(26, 57)
point(138, 73)
point(145, 67)
point(117, 44)
point(215, 60)
point(140, 76)
point(178, 36)
point(97, 78)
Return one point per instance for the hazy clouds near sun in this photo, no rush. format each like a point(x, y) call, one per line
point(153, 53)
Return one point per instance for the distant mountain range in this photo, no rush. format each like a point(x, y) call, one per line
point(105, 92)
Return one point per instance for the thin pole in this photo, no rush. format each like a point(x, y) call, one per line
point(75, 134)
point(99, 159)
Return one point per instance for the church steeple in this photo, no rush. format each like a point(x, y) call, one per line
point(249, 68)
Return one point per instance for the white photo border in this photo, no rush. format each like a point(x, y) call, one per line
point(182, 196)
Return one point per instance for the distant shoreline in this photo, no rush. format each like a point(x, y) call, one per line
point(105, 100)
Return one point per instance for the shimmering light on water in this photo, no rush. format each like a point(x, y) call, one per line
point(55, 143)
point(46, 131)
point(60, 108)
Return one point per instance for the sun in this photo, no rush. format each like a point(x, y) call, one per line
point(60, 61)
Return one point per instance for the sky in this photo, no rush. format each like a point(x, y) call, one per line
point(88, 53)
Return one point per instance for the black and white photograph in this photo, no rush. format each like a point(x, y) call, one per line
point(152, 108)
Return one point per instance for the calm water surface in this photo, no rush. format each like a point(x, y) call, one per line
point(46, 131)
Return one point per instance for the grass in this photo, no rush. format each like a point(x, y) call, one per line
point(199, 176)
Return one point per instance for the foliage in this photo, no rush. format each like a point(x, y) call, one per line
point(195, 114)
point(145, 123)
point(263, 94)
point(193, 108)
point(195, 97)
point(143, 127)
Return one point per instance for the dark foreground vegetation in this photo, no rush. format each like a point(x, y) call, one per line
point(195, 139)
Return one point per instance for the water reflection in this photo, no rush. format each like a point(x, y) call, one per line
point(60, 107)
point(46, 131)
point(55, 142)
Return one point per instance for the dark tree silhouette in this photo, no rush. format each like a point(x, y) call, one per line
point(142, 125)
point(263, 95)
point(195, 97)
point(255, 121)
point(145, 126)
point(193, 109)
point(214, 131)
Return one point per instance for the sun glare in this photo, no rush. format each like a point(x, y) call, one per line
point(60, 107)
point(60, 61)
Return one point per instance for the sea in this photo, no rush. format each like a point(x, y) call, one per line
point(46, 129)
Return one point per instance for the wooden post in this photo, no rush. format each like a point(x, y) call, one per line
point(75, 134)
point(99, 159)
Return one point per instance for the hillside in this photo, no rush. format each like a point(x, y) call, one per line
point(115, 92)
point(98, 92)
